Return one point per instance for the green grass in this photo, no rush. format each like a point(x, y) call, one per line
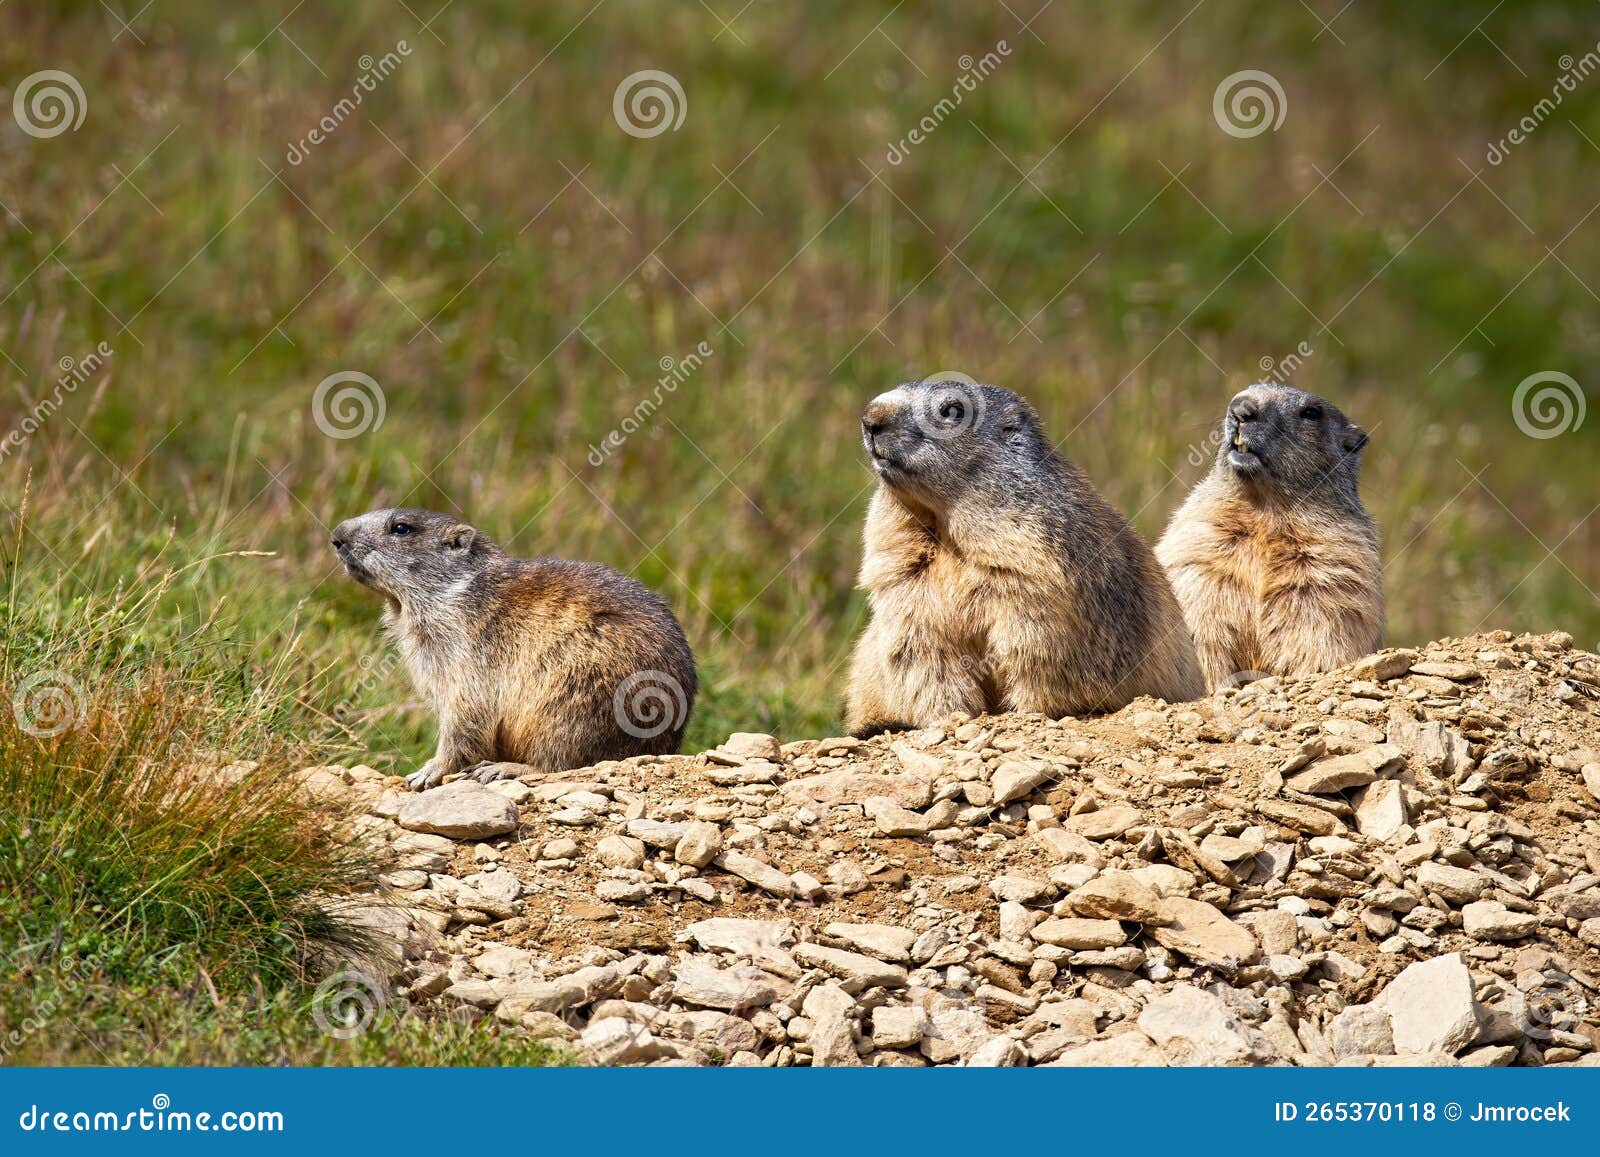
point(64, 1018)
point(482, 239)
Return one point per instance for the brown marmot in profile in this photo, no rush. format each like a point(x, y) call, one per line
point(539, 661)
point(998, 577)
point(1272, 555)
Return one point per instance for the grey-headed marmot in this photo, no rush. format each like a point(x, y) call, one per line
point(540, 661)
point(1272, 555)
point(999, 579)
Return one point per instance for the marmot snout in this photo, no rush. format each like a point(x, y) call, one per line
point(539, 661)
point(999, 579)
point(1273, 556)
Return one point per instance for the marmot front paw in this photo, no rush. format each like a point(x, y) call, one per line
point(428, 775)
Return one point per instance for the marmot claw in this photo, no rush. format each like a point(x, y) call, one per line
point(426, 776)
point(487, 772)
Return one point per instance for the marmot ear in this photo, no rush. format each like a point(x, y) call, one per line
point(460, 537)
point(1013, 420)
point(1355, 439)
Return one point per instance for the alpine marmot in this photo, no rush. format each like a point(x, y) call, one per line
point(998, 578)
point(539, 661)
point(1272, 555)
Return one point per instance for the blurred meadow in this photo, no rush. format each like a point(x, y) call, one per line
point(481, 237)
point(1088, 217)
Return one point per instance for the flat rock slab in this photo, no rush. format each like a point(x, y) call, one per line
point(462, 811)
point(1455, 672)
point(1381, 809)
point(885, 941)
point(1492, 920)
point(753, 745)
point(1203, 934)
point(754, 871)
point(1126, 1050)
point(743, 774)
point(700, 982)
point(1341, 772)
point(1015, 780)
point(829, 1008)
point(854, 970)
point(1361, 1030)
point(1104, 824)
point(1069, 847)
point(1079, 933)
point(1384, 665)
point(1457, 885)
point(1117, 896)
point(741, 937)
point(894, 820)
point(1301, 817)
point(909, 789)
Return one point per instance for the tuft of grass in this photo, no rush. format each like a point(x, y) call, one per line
point(124, 841)
point(127, 833)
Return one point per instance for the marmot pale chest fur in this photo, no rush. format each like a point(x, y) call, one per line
point(539, 661)
point(998, 578)
point(1272, 555)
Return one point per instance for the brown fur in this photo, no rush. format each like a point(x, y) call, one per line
point(544, 662)
point(1000, 580)
point(1279, 573)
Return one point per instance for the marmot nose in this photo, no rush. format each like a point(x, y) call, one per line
point(877, 419)
point(1243, 410)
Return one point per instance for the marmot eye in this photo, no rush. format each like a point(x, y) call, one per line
point(400, 528)
point(952, 410)
point(1312, 413)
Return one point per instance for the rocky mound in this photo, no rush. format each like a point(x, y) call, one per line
point(1397, 863)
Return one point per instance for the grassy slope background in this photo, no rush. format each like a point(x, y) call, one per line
point(482, 239)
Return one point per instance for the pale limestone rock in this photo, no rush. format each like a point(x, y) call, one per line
point(1431, 1006)
point(462, 811)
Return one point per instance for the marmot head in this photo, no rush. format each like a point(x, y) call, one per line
point(411, 555)
point(1290, 442)
point(934, 442)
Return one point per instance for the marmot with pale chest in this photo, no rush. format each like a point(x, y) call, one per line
point(998, 578)
point(1273, 556)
